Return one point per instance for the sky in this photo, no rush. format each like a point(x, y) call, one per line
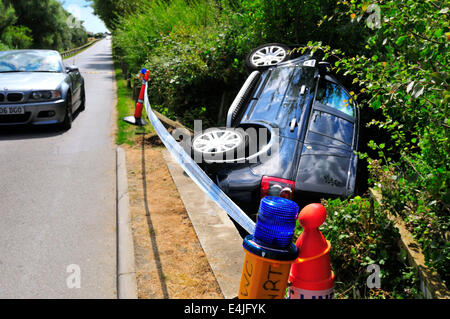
point(82, 10)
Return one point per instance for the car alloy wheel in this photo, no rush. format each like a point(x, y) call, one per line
point(219, 143)
point(267, 55)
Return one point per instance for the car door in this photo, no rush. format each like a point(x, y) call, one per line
point(328, 164)
point(75, 86)
point(281, 102)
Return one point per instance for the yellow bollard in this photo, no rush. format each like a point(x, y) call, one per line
point(264, 277)
point(269, 252)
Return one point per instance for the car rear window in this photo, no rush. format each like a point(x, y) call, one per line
point(333, 95)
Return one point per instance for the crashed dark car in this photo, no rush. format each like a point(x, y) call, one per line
point(292, 131)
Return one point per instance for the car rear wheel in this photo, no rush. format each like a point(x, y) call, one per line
point(267, 55)
point(219, 143)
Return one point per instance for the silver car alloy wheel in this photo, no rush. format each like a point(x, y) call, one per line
point(269, 55)
point(217, 141)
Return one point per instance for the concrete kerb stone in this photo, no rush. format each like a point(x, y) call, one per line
point(126, 271)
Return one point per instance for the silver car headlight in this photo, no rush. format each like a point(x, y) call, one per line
point(45, 95)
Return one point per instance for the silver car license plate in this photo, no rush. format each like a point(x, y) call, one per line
point(11, 110)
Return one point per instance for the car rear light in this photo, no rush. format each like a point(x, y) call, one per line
point(273, 186)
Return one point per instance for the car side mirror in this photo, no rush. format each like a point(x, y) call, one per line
point(71, 68)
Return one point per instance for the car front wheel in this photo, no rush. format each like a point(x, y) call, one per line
point(83, 99)
point(67, 123)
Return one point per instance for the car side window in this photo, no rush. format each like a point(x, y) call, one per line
point(333, 95)
point(328, 125)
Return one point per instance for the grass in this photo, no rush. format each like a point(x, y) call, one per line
point(126, 133)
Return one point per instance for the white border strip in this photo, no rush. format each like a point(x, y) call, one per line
point(126, 271)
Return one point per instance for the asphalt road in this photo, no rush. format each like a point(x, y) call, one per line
point(57, 197)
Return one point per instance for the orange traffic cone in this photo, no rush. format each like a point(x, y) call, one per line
point(311, 276)
point(136, 119)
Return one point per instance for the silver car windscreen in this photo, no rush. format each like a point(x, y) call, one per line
point(196, 173)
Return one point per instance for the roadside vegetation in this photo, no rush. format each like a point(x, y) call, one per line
point(393, 55)
point(126, 133)
point(39, 24)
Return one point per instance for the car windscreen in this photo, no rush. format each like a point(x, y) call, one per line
point(30, 61)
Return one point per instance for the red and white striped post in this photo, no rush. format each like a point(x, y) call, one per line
point(137, 118)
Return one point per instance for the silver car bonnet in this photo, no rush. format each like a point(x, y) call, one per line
point(27, 81)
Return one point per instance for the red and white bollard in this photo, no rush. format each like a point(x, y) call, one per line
point(311, 276)
point(137, 118)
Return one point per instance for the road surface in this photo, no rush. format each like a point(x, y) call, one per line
point(57, 197)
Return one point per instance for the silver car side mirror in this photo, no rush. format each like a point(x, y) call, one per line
point(71, 68)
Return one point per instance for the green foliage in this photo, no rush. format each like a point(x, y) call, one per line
point(405, 80)
point(362, 235)
point(42, 24)
point(3, 47)
point(12, 36)
point(408, 80)
point(301, 21)
point(7, 16)
point(125, 106)
point(185, 45)
point(111, 11)
point(18, 37)
point(393, 54)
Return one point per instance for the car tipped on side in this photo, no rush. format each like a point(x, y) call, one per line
point(297, 133)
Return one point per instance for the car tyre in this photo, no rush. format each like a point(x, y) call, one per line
point(219, 143)
point(83, 99)
point(68, 118)
point(266, 56)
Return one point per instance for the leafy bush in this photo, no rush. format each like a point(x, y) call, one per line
point(43, 24)
point(17, 37)
point(195, 53)
point(392, 53)
point(3, 47)
point(360, 236)
point(405, 79)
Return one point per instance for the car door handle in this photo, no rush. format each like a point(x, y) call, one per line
point(292, 125)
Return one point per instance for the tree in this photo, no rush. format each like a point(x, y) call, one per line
point(110, 11)
point(12, 36)
point(48, 23)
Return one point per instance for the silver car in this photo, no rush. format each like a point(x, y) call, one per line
point(37, 88)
